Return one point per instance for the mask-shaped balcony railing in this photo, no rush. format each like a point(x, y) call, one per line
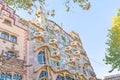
point(71, 61)
point(55, 55)
point(77, 53)
point(68, 49)
point(53, 43)
point(82, 51)
point(39, 36)
point(73, 44)
point(86, 61)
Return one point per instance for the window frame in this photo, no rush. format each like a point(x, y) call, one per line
point(13, 39)
point(42, 55)
point(10, 54)
point(4, 35)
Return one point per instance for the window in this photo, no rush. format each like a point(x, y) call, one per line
point(10, 54)
point(5, 76)
point(68, 77)
point(8, 22)
point(41, 57)
point(5, 36)
point(59, 77)
point(43, 75)
point(16, 77)
point(13, 39)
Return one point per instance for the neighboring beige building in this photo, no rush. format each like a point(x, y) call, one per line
point(112, 77)
point(40, 50)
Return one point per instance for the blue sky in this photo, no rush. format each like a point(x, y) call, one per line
point(91, 25)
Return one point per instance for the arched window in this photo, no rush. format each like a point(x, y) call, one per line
point(17, 77)
point(41, 57)
point(5, 76)
point(10, 54)
point(59, 77)
point(43, 75)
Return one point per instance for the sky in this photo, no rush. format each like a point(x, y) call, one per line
point(91, 25)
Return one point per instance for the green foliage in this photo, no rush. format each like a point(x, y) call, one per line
point(30, 4)
point(113, 42)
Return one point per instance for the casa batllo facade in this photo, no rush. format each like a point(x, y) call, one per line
point(40, 50)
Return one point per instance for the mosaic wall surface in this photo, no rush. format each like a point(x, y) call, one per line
point(67, 53)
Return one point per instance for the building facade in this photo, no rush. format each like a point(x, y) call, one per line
point(40, 50)
point(112, 77)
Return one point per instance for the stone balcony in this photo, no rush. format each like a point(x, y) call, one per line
point(55, 55)
point(68, 49)
point(53, 43)
point(39, 36)
point(71, 61)
point(74, 44)
point(77, 53)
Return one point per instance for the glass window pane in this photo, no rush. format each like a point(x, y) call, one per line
point(10, 54)
point(40, 60)
point(13, 39)
point(5, 36)
point(41, 57)
point(16, 77)
point(6, 76)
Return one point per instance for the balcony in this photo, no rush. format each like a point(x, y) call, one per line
point(53, 43)
point(71, 61)
point(39, 36)
point(55, 55)
point(82, 51)
point(74, 44)
point(68, 49)
point(77, 53)
point(86, 62)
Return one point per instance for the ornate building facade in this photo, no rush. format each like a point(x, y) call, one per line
point(40, 50)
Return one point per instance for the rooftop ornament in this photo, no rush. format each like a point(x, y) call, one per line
point(41, 16)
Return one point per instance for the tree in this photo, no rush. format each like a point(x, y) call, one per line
point(113, 42)
point(30, 4)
